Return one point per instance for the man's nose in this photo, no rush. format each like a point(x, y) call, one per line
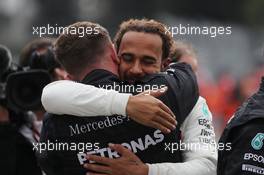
point(136, 70)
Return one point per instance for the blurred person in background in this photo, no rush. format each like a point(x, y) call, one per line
point(17, 157)
point(245, 132)
point(140, 55)
point(20, 130)
point(222, 106)
point(183, 52)
point(38, 55)
point(235, 93)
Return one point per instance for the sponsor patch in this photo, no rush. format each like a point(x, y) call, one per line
point(257, 141)
point(252, 168)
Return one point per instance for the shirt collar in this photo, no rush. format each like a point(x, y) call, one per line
point(99, 74)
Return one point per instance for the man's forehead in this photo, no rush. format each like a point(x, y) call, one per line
point(141, 42)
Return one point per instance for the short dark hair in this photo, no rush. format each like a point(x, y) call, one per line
point(31, 47)
point(146, 26)
point(75, 52)
point(38, 54)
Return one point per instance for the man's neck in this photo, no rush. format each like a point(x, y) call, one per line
point(39, 114)
point(111, 67)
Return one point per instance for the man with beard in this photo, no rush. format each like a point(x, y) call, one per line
point(142, 51)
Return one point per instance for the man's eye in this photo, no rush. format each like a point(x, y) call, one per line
point(149, 61)
point(127, 58)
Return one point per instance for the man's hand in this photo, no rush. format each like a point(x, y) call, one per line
point(147, 110)
point(127, 164)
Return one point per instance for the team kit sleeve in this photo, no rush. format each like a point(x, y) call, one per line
point(185, 88)
point(198, 136)
point(198, 143)
point(69, 97)
point(247, 154)
point(72, 98)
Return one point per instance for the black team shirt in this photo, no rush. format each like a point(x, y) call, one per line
point(96, 132)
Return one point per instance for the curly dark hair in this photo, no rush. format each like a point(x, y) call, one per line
point(146, 26)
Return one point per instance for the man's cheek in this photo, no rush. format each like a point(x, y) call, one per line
point(121, 73)
point(151, 69)
point(123, 70)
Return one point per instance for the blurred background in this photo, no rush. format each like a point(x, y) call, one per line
point(230, 66)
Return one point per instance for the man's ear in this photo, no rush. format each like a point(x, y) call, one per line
point(114, 54)
point(70, 77)
point(165, 63)
point(60, 74)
